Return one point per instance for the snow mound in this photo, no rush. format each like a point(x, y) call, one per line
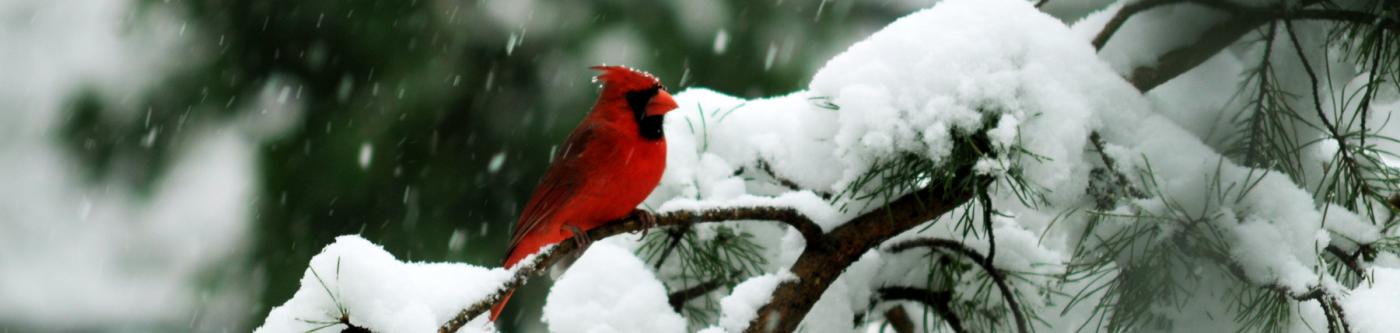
point(610, 290)
point(1371, 307)
point(381, 293)
point(741, 306)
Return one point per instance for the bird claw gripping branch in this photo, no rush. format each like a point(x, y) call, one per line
point(647, 219)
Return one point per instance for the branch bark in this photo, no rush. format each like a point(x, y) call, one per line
point(824, 259)
point(678, 298)
point(899, 320)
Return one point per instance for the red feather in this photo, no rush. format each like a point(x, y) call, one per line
point(606, 167)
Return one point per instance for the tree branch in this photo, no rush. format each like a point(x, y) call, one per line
point(1243, 19)
point(938, 300)
point(1122, 16)
point(678, 298)
point(1178, 61)
point(549, 255)
point(824, 259)
point(998, 277)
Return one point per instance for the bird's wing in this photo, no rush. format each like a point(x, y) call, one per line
point(558, 186)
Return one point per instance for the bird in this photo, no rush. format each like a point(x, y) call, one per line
point(606, 167)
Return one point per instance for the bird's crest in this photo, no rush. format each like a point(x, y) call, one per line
point(626, 78)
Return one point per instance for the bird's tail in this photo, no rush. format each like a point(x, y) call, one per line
point(496, 310)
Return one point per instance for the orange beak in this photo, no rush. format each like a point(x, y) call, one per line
point(661, 104)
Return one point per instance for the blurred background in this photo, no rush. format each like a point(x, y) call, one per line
point(171, 165)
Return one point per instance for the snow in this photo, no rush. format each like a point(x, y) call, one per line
point(1371, 307)
point(805, 202)
point(381, 293)
point(741, 306)
point(366, 154)
point(610, 290)
point(721, 41)
point(1349, 229)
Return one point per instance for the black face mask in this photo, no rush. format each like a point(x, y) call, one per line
point(649, 127)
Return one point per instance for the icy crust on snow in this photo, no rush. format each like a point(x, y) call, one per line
point(610, 290)
point(381, 293)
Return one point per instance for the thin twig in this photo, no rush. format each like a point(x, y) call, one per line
point(1350, 260)
point(938, 300)
point(998, 277)
point(1348, 160)
point(1122, 16)
point(678, 298)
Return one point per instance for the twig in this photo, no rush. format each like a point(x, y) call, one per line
point(998, 277)
point(1122, 16)
point(986, 200)
point(1175, 62)
point(899, 320)
point(679, 297)
point(938, 300)
point(675, 235)
point(546, 257)
point(1350, 260)
point(763, 165)
point(1336, 317)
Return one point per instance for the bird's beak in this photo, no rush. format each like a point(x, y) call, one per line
point(661, 104)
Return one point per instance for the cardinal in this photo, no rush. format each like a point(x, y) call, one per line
point(607, 166)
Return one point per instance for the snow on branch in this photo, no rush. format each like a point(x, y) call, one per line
point(358, 285)
point(549, 255)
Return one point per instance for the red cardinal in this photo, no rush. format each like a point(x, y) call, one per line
point(608, 165)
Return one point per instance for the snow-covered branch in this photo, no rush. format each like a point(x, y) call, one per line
point(823, 260)
point(550, 255)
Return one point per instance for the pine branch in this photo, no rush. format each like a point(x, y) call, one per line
point(938, 300)
point(548, 256)
point(1350, 260)
point(823, 260)
point(998, 277)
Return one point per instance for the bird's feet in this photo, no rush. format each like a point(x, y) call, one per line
point(647, 219)
point(580, 237)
